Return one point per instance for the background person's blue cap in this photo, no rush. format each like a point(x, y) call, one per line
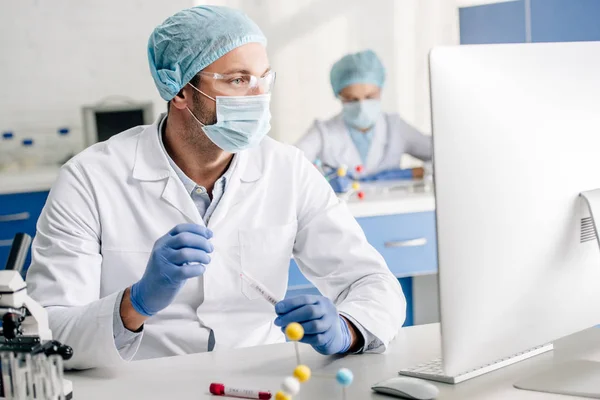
point(194, 38)
point(362, 67)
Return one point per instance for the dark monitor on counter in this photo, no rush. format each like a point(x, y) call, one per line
point(100, 122)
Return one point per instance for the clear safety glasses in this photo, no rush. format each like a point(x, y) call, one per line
point(239, 84)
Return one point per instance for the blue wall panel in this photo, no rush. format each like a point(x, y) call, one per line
point(493, 23)
point(565, 20)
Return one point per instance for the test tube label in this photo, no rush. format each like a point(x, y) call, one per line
point(237, 392)
point(266, 295)
point(260, 289)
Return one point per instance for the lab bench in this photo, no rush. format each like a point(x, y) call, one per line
point(398, 219)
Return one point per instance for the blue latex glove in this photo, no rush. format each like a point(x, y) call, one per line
point(176, 257)
point(324, 329)
point(389, 175)
point(340, 184)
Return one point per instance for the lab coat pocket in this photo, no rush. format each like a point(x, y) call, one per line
point(265, 257)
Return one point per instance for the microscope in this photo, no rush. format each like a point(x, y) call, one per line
point(25, 329)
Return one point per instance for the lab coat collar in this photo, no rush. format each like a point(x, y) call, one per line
point(151, 163)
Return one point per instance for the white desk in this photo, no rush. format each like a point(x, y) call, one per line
point(34, 180)
point(391, 198)
point(188, 377)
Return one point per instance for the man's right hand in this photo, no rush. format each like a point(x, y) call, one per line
point(181, 254)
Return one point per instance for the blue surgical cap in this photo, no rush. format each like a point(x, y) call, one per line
point(362, 67)
point(194, 38)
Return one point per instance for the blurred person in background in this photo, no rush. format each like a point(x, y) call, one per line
point(362, 134)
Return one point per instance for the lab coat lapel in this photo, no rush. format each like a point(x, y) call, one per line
point(379, 144)
point(245, 174)
point(346, 149)
point(176, 195)
point(152, 166)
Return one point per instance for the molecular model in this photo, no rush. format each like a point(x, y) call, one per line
point(291, 385)
point(342, 171)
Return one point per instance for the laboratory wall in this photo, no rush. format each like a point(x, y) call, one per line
point(307, 36)
point(56, 56)
point(75, 53)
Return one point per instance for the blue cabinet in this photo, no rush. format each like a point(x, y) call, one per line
point(549, 21)
point(406, 241)
point(493, 23)
point(565, 20)
point(19, 212)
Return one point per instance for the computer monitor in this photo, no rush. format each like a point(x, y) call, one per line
point(102, 121)
point(516, 138)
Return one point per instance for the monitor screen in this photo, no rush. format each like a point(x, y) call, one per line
point(109, 123)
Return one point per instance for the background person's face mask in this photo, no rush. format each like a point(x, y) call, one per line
point(242, 121)
point(362, 114)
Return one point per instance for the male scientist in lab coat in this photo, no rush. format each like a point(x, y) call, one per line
point(141, 245)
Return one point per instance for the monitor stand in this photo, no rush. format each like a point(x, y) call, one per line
point(574, 378)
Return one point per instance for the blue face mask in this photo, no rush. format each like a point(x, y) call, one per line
point(362, 114)
point(242, 121)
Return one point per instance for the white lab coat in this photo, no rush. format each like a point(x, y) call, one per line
point(330, 142)
point(115, 199)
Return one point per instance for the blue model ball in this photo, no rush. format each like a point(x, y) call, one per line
point(344, 377)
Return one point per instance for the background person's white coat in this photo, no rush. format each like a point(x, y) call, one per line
point(393, 137)
point(111, 203)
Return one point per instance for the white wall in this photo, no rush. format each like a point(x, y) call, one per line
point(57, 55)
point(307, 36)
point(469, 3)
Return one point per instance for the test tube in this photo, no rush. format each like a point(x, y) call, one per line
point(29, 372)
point(263, 291)
point(36, 377)
point(57, 368)
point(7, 383)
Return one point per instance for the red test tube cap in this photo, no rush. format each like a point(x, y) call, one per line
point(217, 389)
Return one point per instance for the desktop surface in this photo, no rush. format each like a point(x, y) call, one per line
point(188, 377)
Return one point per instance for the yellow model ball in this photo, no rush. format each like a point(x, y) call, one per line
point(282, 396)
point(341, 171)
point(302, 373)
point(355, 185)
point(294, 331)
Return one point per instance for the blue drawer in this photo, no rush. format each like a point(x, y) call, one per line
point(407, 242)
point(18, 213)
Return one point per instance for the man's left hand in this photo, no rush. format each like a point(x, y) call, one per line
point(324, 329)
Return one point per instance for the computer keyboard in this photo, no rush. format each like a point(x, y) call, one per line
point(433, 370)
